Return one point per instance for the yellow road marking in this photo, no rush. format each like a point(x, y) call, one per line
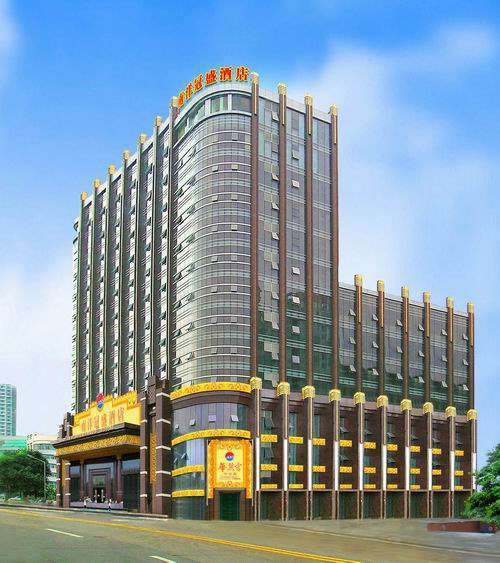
point(192, 537)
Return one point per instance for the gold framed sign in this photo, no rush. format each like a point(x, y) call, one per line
point(229, 466)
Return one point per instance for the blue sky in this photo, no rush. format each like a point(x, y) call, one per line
point(417, 85)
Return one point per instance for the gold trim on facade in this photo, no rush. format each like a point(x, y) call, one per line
point(268, 438)
point(216, 433)
point(283, 388)
point(428, 407)
point(308, 392)
point(124, 440)
point(382, 401)
point(405, 405)
point(255, 383)
point(208, 387)
point(472, 414)
point(189, 493)
point(188, 469)
point(450, 411)
point(359, 398)
point(296, 440)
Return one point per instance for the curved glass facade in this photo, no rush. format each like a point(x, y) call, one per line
point(211, 243)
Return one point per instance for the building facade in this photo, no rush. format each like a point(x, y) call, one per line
point(8, 409)
point(10, 444)
point(43, 443)
point(220, 370)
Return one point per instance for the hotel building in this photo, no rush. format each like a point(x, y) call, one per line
point(220, 370)
point(8, 409)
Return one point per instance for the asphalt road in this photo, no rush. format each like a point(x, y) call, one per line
point(44, 535)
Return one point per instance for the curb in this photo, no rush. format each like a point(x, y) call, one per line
point(119, 513)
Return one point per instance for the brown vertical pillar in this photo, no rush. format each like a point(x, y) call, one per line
point(334, 227)
point(66, 484)
point(427, 346)
point(119, 479)
point(144, 456)
point(256, 386)
point(282, 231)
point(405, 296)
point(358, 283)
point(449, 349)
point(283, 394)
point(59, 487)
point(406, 410)
point(359, 403)
point(254, 226)
point(163, 465)
point(308, 394)
point(309, 242)
point(381, 337)
point(334, 398)
point(471, 413)
point(428, 409)
point(83, 492)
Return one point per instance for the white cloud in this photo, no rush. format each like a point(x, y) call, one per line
point(8, 39)
point(35, 344)
point(418, 202)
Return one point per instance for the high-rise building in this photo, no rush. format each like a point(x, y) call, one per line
point(43, 443)
point(220, 370)
point(8, 409)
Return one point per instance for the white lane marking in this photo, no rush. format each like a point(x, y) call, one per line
point(161, 558)
point(65, 533)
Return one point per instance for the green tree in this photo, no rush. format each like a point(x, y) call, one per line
point(22, 475)
point(485, 503)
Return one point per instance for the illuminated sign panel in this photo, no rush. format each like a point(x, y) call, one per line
point(224, 74)
point(229, 466)
point(107, 412)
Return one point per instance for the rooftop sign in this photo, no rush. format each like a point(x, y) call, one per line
point(223, 74)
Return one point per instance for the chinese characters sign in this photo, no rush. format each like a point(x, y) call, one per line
point(229, 466)
point(223, 74)
point(106, 413)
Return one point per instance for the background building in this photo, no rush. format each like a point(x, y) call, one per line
point(8, 409)
point(44, 444)
point(220, 370)
point(12, 444)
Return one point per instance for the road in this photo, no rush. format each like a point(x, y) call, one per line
point(28, 535)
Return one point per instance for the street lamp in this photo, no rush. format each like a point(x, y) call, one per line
point(44, 461)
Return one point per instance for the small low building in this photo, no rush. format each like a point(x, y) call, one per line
point(43, 443)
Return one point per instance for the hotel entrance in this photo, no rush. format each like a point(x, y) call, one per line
point(229, 506)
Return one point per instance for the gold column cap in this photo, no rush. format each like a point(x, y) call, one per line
point(126, 154)
point(174, 102)
point(97, 183)
point(472, 414)
point(405, 405)
point(282, 88)
point(308, 392)
point(382, 401)
point(83, 196)
point(359, 397)
point(381, 286)
point(158, 120)
point(254, 77)
point(255, 383)
point(334, 110)
point(334, 395)
point(450, 411)
point(142, 138)
point(428, 407)
point(470, 307)
point(405, 292)
point(358, 280)
point(427, 297)
point(111, 169)
point(308, 99)
point(450, 302)
point(283, 388)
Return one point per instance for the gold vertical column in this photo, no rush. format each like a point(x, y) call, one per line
point(428, 410)
point(308, 394)
point(256, 387)
point(451, 414)
point(283, 394)
point(334, 397)
point(406, 407)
